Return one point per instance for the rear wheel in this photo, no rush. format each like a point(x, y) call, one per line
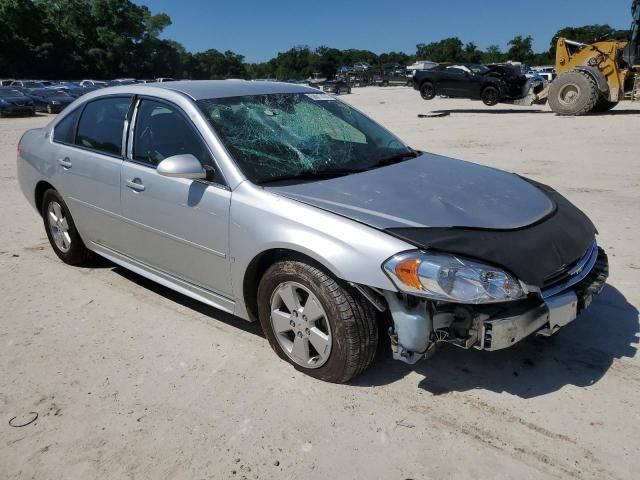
point(490, 96)
point(315, 323)
point(61, 230)
point(573, 93)
point(428, 91)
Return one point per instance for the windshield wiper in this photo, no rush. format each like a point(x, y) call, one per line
point(312, 175)
point(397, 158)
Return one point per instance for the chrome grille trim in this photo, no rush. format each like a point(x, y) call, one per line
point(576, 274)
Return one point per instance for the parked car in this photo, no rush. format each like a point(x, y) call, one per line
point(27, 84)
point(74, 89)
point(491, 84)
point(121, 81)
point(49, 100)
point(421, 65)
point(93, 83)
point(15, 102)
point(548, 73)
point(6, 82)
point(361, 66)
point(336, 86)
point(398, 77)
point(274, 202)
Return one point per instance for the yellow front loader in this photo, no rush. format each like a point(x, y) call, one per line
point(595, 77)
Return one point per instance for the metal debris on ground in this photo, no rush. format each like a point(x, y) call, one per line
point(433, 114)
point(404, 423)
point(28, 419)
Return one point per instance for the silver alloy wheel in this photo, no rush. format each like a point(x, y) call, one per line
point(59, 227)
point(569, 94)
point(300, 325)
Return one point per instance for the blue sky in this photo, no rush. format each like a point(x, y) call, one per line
point(259, 29)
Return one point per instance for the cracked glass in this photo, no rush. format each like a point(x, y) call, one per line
point(289, 136)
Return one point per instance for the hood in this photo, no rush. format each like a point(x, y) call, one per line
point(428, 191)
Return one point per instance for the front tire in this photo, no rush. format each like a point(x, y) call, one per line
point(61, 230)
point(316, 323)
point(573, 93)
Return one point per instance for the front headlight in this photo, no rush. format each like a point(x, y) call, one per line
point(451, 279)
point(55, 102)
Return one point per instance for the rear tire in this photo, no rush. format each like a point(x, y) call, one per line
point(61, 230)
point(604, 105)
point(427, 91)
point(347, 321)
point(573, 93)
point(490, 96)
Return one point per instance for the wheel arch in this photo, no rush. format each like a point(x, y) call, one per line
point(41, 187)
point(597, 75)
point(260, 264)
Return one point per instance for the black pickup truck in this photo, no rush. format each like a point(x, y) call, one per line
point(492, 84)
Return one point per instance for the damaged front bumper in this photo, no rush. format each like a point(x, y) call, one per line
point(419, 326)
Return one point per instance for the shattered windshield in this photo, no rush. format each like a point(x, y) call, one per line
point(306, 136)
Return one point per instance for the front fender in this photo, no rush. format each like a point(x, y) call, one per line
point(261, 221)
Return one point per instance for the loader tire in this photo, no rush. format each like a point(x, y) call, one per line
point(573, 93)
point(603, 105)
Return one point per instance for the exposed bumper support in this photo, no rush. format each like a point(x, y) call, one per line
point(546, 318)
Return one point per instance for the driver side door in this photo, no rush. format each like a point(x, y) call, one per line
point(177, 226)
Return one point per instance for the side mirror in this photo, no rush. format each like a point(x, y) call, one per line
point(182, 166)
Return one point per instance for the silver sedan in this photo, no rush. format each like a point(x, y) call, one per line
point(279, 203)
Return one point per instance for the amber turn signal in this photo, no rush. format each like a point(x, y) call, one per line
point(407, 272)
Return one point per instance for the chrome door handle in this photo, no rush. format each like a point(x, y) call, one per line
point(135, 184)
point(64, 163)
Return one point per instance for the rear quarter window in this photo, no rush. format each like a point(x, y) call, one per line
point(65, 130)
point(101, 125)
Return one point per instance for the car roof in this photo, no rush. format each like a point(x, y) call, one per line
point(202, 89)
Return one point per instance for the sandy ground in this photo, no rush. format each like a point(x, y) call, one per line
point(130, 380)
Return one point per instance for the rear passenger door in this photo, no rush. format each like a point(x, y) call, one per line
point(176, 225)
point(88, 145)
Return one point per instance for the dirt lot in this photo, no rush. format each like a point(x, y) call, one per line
point(130, 380)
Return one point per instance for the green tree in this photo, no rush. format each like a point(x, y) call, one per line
point(447, 50)
point(471, 53)
point(214, 64)
point(520, 49)
point(493, 54)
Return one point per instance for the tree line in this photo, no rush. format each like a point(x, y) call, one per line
point(73, 39)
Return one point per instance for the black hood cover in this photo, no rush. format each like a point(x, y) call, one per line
point(533, 253)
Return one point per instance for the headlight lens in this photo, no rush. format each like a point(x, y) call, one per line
point(450, 278)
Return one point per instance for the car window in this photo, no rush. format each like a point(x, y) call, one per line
point(161, 131)
point(65, 129)
point(458, 70)
point(101, 124)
